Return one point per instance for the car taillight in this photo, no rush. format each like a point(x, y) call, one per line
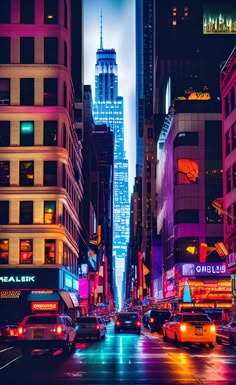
point(183, 327)
point(97, 327)
point(138, 323)
point(212, 328)
point(20, 331)
point(151, 320)
point(59, 330)
point(11, 332)
point(117, 323)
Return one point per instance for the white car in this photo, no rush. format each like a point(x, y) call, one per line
point(46, 331)
point(91, 326)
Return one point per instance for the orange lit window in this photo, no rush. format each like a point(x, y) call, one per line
point(188, 171)
point(49, 212)
point(50, 251)
point(174, 22)
point(26, 251)
point(4, 251)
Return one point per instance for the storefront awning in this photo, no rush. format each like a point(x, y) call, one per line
point(74, 299)
point(37, 295)
point(65, 295)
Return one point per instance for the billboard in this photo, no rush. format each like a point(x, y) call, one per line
point(219, 17)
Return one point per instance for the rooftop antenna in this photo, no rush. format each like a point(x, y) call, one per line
point(101, 45)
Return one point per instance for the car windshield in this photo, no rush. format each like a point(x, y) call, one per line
point(85, 320)
point(41, 320)
point(128, 316)
point(194, 317)
point(161, 314)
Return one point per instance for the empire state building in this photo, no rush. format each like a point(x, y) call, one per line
point(108, 108)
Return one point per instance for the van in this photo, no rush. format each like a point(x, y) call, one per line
point(153, 319)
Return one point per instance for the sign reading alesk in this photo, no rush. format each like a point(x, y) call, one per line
point(202, 269)
point(17, 278)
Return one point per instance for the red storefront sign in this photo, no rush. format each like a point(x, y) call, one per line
point(44, 306)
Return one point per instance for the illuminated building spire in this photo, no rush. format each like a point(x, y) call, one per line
point(101, 45)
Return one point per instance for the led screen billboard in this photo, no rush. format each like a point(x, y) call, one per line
point(219, 17)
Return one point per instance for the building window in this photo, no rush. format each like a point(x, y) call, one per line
point(186, 139)
point(51, 50)
point(186, 216)
point(232, 98)
point(65, 54)
point(4, 133)
point(27, 17)
point(50, 92)
point(26, 92)
point(227, 142)
point(50, 11)
point(4, 210)
point(49, 212)
point(4, 251)
point(50, 173)
point(4, 91)
point(26, 251)
point(27, 173)
point(227, 106)
point(186, 250)
point(5, 49)
point(50, 251)
point(50, 133)
point(27, 50)
point(228, 181)
point(4, 173)
point(234, 175)
point(65, 14)
point(5, 12)
point(64, 95)
point(233, 130)
point(26, 212)
point(188, 171)
point(26, 133)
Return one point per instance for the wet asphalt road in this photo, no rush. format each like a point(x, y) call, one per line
point(124, 359)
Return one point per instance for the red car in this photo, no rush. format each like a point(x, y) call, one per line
point(226, 333)
point(8, 333)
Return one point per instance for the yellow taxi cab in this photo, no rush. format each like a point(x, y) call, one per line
point(192, 328)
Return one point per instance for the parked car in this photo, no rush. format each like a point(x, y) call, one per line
point(193, 328)
point(8, 333)
point(127, 321)
point(226, 333)
point(153, 319)
point(90, 326)
point(46, 331)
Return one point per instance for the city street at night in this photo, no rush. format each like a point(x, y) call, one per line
point(125, 359)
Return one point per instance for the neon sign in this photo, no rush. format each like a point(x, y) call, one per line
point(22, 278)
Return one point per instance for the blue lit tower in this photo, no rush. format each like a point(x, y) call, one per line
point(108, 108)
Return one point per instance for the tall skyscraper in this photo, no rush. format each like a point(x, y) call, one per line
point(108, 108)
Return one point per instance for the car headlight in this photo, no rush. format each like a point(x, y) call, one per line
point(183, 327)
point(212, 329)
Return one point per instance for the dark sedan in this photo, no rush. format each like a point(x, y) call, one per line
point(128, 321)
point(227, 333)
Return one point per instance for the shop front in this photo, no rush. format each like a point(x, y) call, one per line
point(29, 290)
point(198, 285)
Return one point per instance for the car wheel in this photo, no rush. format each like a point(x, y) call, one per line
point(231, 341)
point(165, 338)
point(66, 347)
point(177, 343)
point(211, 345)
point(99, 337)
point(139, 332)
point(72, 346)
point(117, 331)
point(104, 335)
point(218, 341)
